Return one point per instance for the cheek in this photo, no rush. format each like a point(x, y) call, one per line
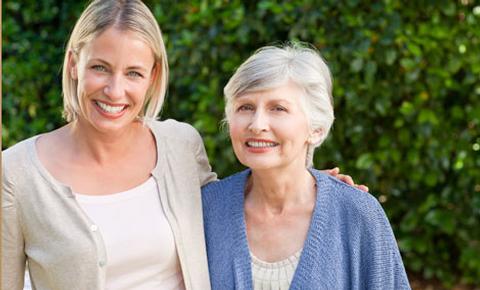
point(89, 83)
point(294, 129)
point(238, 125)
point(140, 90)
point(234, 130)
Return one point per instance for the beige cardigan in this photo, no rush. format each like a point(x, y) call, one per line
point(43, 223)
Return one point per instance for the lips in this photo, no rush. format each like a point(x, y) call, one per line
point(110, 109)
point(260, 144)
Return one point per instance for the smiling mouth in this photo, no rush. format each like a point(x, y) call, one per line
point(110, 109)
point(261, 144)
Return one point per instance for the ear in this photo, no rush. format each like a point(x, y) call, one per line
point(72, 65)
point(315, 136)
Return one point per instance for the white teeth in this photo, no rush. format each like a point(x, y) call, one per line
point(261, 144)
point(110, 109)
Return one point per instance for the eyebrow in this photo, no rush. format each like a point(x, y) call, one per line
point(246, 98)
point(134, 67)
point(280, 101)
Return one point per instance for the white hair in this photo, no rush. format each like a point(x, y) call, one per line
point(271, 66)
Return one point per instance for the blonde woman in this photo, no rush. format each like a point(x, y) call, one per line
point(112, 199)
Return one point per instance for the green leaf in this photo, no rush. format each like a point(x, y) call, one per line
point(444, 220)
point(365, 161)
point(391, 56)
point(414, 49)
point(356, 65)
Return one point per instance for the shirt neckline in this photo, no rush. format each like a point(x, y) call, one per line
point(147, 187)
point(294, 258)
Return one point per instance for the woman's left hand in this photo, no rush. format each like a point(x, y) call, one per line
point(335, 172)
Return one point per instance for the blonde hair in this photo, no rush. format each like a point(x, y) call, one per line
point(271, 66)
point(131, 15)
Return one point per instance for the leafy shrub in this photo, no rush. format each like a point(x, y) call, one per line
point(406, 98)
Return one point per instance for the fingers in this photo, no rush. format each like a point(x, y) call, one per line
point(333, 172)
point(362, 187)
point(348, 180)
point(345, 178)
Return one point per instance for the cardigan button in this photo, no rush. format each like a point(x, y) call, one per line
point(93, 228)
point(101, 263)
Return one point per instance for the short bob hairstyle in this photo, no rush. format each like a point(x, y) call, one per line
point(271, 66)
point(127, 15)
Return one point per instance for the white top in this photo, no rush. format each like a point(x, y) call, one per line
point(276, 275)
point(141, 252)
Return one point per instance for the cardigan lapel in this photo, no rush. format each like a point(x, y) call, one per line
point(241, 256)
point(314, 246)
point(158, 171)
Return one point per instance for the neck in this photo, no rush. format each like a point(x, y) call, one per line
point(101, 147)
point(279, 191)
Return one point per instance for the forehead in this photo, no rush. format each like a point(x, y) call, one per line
point(114, 44)
point(288, 92)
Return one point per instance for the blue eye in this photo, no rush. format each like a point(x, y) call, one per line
point(99, 68)
point(279, 109)
point(245, 108)
point(134, 74)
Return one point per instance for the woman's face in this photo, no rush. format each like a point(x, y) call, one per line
point(269, 129)
point(114, 72)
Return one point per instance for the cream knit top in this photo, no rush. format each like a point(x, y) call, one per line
point(276, 275)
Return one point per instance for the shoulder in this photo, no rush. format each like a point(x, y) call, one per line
point(349, 202)
point(344, 192)
point(17, 163)
point(18, 151)
point(18, 156)
point(356, 214)
point(172, 129)
point(219, 195)
point(222, 186)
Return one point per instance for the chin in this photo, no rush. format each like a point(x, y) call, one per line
point(260, 165)
point(106, 126)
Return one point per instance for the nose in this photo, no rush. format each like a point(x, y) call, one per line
point(115, 88)
point(259, 122)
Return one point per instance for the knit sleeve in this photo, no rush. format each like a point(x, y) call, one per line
point(205, 173)
point(386, 270)
point(13, 255)
point(401, 279)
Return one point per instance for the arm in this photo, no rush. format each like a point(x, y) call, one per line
point(205, 173)
point(387, 270)
point(13, 255)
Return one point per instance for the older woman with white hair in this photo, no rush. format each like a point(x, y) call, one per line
point(281, 224)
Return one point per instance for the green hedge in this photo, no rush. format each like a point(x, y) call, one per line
point(407, 98)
